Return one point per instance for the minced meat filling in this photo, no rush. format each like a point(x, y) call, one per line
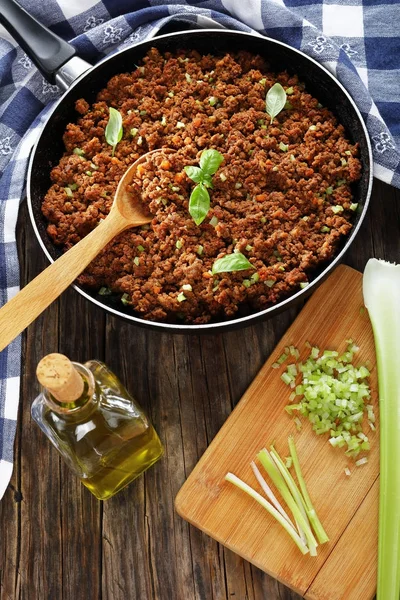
point(281, 196)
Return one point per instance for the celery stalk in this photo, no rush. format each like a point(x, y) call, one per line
point(269, 465)
point(269, 493)
point(271, 509)
point(311, 512)
point(381, 288)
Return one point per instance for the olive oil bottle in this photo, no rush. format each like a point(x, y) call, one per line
point(97, 427)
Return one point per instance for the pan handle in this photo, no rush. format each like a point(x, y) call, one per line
point(48, 51)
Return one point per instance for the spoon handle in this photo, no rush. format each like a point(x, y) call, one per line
point(37, 295)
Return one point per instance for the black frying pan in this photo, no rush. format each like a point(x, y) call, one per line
point(55, 58)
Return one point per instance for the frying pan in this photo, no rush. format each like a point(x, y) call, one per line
point(57, 61)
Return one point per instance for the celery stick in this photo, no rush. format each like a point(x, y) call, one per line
point(271, 509)
point(272, 470)
point(269, 493)
point(381, 288)
point(312, 515)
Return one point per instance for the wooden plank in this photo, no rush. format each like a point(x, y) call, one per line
point(330, 317)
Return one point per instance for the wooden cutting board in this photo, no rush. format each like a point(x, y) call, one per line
point(345, 568)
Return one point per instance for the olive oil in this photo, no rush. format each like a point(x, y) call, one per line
point(98, 428)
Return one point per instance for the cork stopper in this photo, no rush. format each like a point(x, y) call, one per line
point(57, 374)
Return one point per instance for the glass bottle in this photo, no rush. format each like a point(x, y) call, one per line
point(97, 427)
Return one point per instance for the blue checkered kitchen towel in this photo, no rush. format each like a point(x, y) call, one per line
point(358, 40)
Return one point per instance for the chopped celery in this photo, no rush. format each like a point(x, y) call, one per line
point(333, 393)
point(381, 288)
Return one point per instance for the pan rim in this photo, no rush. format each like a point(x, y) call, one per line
point(253, 317)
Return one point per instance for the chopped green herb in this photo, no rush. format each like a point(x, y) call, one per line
point(214, 221)
point(213, 100)
point(246, 283)
point(88, 173)
point(289, 91)
point(254, 278)
point(343, 161)
point(283, 147)
point(179, 244)
point(269, 282)
point(73, 186)
point(188, 78)
point(68, 191)
point(312, 128)
point(200, 250)
point(337, 209)
point(125, 299)
point(262, 81)
point(325, 229)
point(104, 291)
point(136, 260)
point(348, 152)
point(354, 206)
point(329, 190)
point(78, 151)
point(142, 113)
point(248, 248)
point(303, 284)
point(140, 248)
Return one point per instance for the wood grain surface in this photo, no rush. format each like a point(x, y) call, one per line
point(219, 509)
point(57, 542)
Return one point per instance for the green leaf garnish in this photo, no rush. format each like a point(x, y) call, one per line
point(194, 173)
point(210, 161)
point(231, 262)
point(199, 203)
point(114, 130)
point(275, 100)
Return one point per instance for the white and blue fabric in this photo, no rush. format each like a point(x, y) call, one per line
point(357, 40)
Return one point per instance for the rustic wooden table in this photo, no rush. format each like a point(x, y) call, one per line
point(57, 542)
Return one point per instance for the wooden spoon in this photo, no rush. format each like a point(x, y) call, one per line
point(31, 301)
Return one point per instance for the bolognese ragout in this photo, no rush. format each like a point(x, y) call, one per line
point(280, 196)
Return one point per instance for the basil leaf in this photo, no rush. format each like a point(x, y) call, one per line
point(199, 203)
point(275, 100)
point(207, 181)
point(114, 130)
point(231, 262)
point(194, 173)
point(210, 160)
